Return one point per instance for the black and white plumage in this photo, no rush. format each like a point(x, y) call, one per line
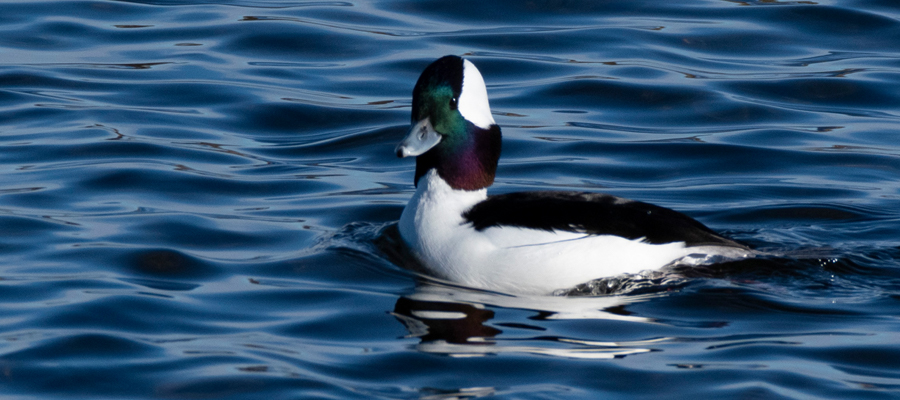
point(592, 213)
point(531, 242)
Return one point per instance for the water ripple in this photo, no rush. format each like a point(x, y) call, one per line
point(199, 199)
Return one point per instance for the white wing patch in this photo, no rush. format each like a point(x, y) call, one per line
point(512, 237)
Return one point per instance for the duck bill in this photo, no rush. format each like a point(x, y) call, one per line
point(421, 138)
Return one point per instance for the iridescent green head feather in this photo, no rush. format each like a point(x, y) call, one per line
point(453, 130)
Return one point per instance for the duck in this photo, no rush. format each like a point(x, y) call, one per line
point(538, 242)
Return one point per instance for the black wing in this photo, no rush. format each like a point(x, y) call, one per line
point(593, 213)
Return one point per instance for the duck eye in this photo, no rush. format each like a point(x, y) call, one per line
point(453, 104)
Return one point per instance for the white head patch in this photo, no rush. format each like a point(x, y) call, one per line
point(473, 100)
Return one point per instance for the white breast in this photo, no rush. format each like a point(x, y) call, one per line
point(515, 260)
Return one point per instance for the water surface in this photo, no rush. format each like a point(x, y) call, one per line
point(193, 196)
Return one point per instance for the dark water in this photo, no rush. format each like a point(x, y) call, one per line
point(193, 196)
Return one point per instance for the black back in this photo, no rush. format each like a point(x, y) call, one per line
point(593, 213)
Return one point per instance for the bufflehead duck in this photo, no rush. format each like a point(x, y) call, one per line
point(524, 243)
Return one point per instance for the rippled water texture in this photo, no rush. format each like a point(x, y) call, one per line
point(196, 200)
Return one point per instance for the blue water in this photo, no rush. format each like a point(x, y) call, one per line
point(196, 200)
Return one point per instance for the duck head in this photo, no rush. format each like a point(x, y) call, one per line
point(452, 127)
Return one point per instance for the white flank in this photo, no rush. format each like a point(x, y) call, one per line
point(473, 101)
point(516, 260)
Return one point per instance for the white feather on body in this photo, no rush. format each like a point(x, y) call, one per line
point(511, 259)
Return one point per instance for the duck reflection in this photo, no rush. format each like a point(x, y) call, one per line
point(456, 321)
